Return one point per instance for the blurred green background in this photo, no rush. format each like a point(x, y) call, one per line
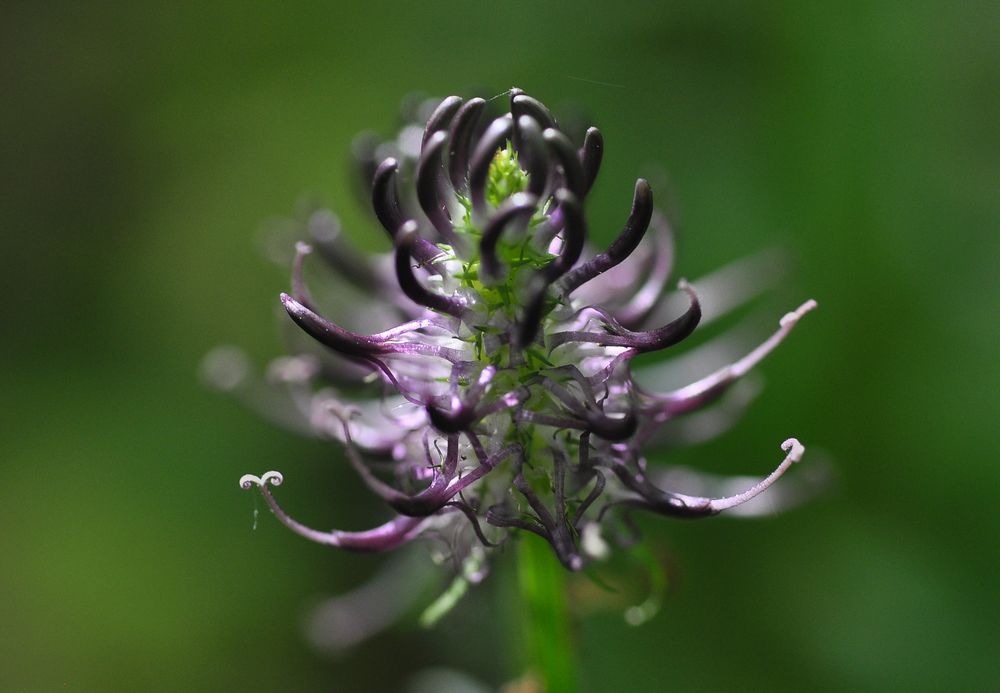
point(144, 144)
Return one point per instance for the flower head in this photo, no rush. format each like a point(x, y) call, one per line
point(503, 401)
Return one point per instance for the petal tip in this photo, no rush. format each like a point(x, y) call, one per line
point(248, 481)
point(790, 319)
point(794, 449)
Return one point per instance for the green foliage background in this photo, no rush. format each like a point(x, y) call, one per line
point(142, 145)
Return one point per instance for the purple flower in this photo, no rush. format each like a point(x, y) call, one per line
point(503, 400)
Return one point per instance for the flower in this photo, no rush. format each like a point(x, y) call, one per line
point(504, 400)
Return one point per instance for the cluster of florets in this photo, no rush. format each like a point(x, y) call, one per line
point(504, 401)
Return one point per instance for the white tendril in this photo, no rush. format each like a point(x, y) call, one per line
point(794, 448)
point(789, 319)
point(793, 453)
point(248, 481)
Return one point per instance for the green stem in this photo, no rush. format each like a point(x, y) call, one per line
point(547, 642)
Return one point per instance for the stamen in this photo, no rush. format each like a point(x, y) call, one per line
point(603, 376)
point(586, 387)
point(392, 380)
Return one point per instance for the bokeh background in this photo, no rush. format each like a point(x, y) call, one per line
point(143, 145)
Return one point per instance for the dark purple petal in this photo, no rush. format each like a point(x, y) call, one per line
point(429, 173)
point(541, 512)
point(637, 310)
point(574, 237)
point(517, 208)
point(595, 493)
point(459, 138)
point(361, 345)
point(565, 153)
point(407, 239)
point(651, 340)
point(330, 334)
point(470, 515)
point(522, 104)
point(597, 421)
point(440, 118)
point(462, 413)
point(627, 241)
point(385, 200)
point(385, 197)
point(533, 155)
point(482, 156)
point(496, 518)
point(591, 155)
